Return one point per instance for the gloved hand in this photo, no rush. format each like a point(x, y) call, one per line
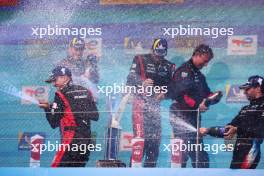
point(217, 131)
point(214, 98)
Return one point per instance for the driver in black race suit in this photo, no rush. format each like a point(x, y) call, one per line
point(151, 71)
point(248, 125)
point(84, 71)
point(72, 110)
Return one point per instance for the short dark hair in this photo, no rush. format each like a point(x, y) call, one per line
point(203, 49)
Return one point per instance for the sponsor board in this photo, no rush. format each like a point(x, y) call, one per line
point(242, 45)
point(37, 48)
point(110, 2)
point(36, 141)
point(24, 139)
point(186, 44)
point(93, 46)
point(134, 46)
point(125, 141)
point(176, 154)
point(33, 94)
point(130, 172)
point(137, 152)
point(235, 95)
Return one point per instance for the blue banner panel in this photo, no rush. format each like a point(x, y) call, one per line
point(128, 172)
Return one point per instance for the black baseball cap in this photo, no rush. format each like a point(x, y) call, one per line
point(58, 71)
point(77, 43)
point(253, 81)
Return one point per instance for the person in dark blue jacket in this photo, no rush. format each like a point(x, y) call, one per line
point(191, 93)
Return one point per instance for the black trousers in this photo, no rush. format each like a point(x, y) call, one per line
point(146, 120)
point(245, 155)
point(180, 122)
point(74, 151)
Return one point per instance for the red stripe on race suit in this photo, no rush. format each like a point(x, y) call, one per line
point(138, 118)
point(246, 164)
point(138, 124)
point(138, 129)
point(68, 117)
point(67, 136)
point(189, 101)
point(142, 69)
point(210, 94)
point(66, 141)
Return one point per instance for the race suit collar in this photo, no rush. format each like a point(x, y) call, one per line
point(257, 101)
point(66, 87)
point(192, 65)
point(157, 60)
